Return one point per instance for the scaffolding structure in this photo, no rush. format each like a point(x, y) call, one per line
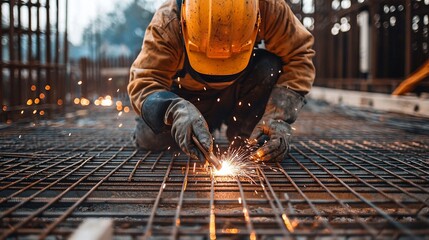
point(364, 44)
point(33, 55)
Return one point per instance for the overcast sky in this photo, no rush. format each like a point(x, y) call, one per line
point(82, 12)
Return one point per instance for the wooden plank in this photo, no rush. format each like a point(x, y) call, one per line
point(376, 101)
point(94, 229)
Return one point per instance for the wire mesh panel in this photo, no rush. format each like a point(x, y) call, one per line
point(344, 178)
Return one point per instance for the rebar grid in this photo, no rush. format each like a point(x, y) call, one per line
point(344, 178)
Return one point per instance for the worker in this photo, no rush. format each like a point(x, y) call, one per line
point(202, 65)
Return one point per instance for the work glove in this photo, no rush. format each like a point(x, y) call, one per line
point(165, 110)
point(273, 132)
point(186, 121)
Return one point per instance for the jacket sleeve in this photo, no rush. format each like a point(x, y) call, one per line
point(156, 63)
point(285, 36)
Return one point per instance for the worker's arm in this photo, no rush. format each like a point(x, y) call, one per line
point(150, 83)
point(281, 111)
point(156, 64)
point(284, 36)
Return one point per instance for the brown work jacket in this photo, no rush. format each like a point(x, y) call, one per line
point(163, 55)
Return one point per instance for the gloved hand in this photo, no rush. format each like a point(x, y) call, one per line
point(273, 131)
point(186, 120)
point(163, 109)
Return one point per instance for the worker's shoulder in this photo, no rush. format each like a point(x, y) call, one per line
point(272, 4)
point(166, 16)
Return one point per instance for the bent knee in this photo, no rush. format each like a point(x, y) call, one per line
point(146, 139)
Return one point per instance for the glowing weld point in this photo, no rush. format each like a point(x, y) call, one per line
point(117, 90)
point(239, 200)
point(19, 136)
point(235, 119)
point(79, 83)
point(164, 185)
point(205, 89)
point(218, 100)
point(239, 104)
point(198, 99)
point(249, 104)
point(120, 125)
point(272, 74)
point(228, 169)
point(293, 128)
point(22, 112)
point(169, 147)
point(69, 134)
point(110, 79)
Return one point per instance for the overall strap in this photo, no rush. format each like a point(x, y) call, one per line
point(179, 7)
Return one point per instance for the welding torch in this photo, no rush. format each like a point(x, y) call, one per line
point(209, 156)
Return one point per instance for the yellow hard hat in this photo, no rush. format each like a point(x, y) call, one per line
point(219, 35)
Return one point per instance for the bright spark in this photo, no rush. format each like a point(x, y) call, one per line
point(228, 169)
point(236, 162)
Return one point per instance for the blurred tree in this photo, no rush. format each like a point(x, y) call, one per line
point(118, 33)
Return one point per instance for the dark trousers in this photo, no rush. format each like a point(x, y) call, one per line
point(239, 106)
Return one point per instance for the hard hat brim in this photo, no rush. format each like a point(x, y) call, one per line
point(219, 66)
